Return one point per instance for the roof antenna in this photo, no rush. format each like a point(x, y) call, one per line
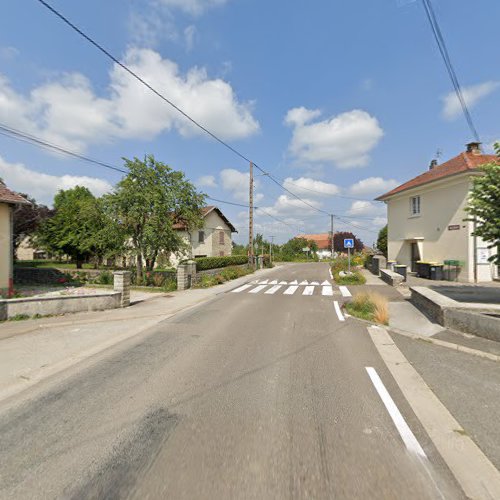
point(439, 153)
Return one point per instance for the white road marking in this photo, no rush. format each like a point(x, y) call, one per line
point(325, 283)
point(338, 311)
point(305, 282)
point(282, 283)
point(241, 288)
point(258, 289)
point(262, 282)
point(294, 282)
point(327, 290)
point(330, 273)
point(273, 289)
point(314, 283)
point(345, 291)
point(404, 430)
point(290, 290)
point(274, 282)
point(308, 290)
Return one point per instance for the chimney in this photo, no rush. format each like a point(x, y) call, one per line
point(474, 148)
point(433, 164)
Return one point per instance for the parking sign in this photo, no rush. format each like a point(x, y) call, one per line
point(348, 243)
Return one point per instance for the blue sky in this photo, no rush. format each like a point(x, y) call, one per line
point(341, 100)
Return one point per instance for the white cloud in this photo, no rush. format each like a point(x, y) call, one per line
point(345, 140)
point(207, 181)
point(148, 27)
point(373, 185)
point(8, 53)
point(311, 187)
point(190, 34)
point(68, 112)
point(238, 184)
point(194, 7)
point(288, 206)
point(472, 95)
point(362, 208)
point(43, 187)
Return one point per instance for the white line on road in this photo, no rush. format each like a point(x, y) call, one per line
point(330, 273)
point(290, 290)
point(314, 283)
point(258, 289)
point(404, 430)
point(327, 290)
point(262, 282)
point(338, 311)
point(325, 283)
point(305, 282)
point(294, 282)
point(273, 289)
point(274, 282)
point(345, 291)
point(308, 290)
point(282, 283)
point(241, 288)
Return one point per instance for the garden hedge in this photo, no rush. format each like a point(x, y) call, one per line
point(205, 263)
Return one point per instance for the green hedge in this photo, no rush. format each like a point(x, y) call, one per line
point(205, 263)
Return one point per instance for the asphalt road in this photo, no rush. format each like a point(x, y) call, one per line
point(251, 395)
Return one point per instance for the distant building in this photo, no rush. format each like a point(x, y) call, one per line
point(426, 218)
point(323, 241)
point(8, 199)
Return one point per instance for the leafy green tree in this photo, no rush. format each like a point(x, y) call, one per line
point(74, 225)
point(484, 206)
point(338, 241)
point(148, 202)
point(294, 247)
point(382, 240)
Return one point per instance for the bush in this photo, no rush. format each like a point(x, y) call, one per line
point(205, 263)
point(207, 281)
point(104, 278)
point(369, 306)
point(355, 278)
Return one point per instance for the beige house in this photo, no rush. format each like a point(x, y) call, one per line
point(8, 199)
point(213, 240)
point(426, 218)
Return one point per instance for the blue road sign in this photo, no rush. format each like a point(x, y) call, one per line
point(348, 243)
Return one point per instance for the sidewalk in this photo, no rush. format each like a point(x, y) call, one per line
point(32, 350)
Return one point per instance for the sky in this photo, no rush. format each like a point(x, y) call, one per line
point(339, 100)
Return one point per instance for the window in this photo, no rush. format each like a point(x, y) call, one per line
point(221, 253)
point(415, 205)
point(201, 236)
point(221, 237)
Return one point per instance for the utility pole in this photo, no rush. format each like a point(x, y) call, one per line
point(331, 231)
point(271, 250)
point(250, 219)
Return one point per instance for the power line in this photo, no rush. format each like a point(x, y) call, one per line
point(436, 30)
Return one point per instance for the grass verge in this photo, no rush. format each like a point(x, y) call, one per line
point(369, 306)
point(355, 278)
point(228, 274)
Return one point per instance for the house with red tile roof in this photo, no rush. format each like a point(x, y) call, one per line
point(323, 241)
point(8, 200)
point(427, 221)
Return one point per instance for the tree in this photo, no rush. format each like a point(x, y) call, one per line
point(338, 242)
point(148, 202)
point(295, 246)
point(382, 240)
point(74, 227)
point(484, 206)
point(27, 219)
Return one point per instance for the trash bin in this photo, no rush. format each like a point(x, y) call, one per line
point(401, 269)
point(391, 264)
point(436, 272)
point(452, 270)
point(423, 270)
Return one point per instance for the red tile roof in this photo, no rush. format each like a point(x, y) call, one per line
point(8, 196)
point(322, 240)
point(464, 162)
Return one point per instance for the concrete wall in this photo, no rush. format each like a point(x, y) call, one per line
point(442, 205)
point(5, 246)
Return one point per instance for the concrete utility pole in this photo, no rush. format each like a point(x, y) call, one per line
point(271, 250)
point(331, 231)
point(250, 219)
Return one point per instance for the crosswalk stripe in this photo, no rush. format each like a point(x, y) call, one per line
point(273, 289)
point(274, 282)
point(305, 282)
point(327, 290)
point(294, 282)
point(282, 283)
point(308, 290)
point(290, 290)
point(314, 283)
point(345, 291)
point(325, 283)
point(258, 289)
point(262, 282)
point(241, 288)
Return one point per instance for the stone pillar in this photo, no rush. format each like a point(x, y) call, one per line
point(121, 284)
point(186, 274)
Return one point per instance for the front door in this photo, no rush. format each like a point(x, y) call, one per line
point(415, 257)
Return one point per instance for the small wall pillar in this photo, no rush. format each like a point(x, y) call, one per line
point(186, 274)
point(121, 284)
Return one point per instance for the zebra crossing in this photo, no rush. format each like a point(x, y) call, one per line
point(279, 287)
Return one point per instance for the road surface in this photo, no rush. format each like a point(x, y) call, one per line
point(252, 395)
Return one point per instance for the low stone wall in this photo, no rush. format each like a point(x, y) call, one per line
point(391, 278)
point(431, 303)
point(476, 323)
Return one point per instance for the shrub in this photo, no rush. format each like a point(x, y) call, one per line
point(170, 285)
point(369, 306)
point(207, 281)
point(355, 278)
point(104, 278)
point(205, 263)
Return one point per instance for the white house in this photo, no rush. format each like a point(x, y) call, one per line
point(213, 240)
point(426, 218)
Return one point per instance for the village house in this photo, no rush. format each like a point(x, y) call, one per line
point(8, 200)
point(427, 221)
point(323, 241)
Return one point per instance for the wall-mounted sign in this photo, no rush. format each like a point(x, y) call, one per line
point(482, 255)
point(454, 227)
